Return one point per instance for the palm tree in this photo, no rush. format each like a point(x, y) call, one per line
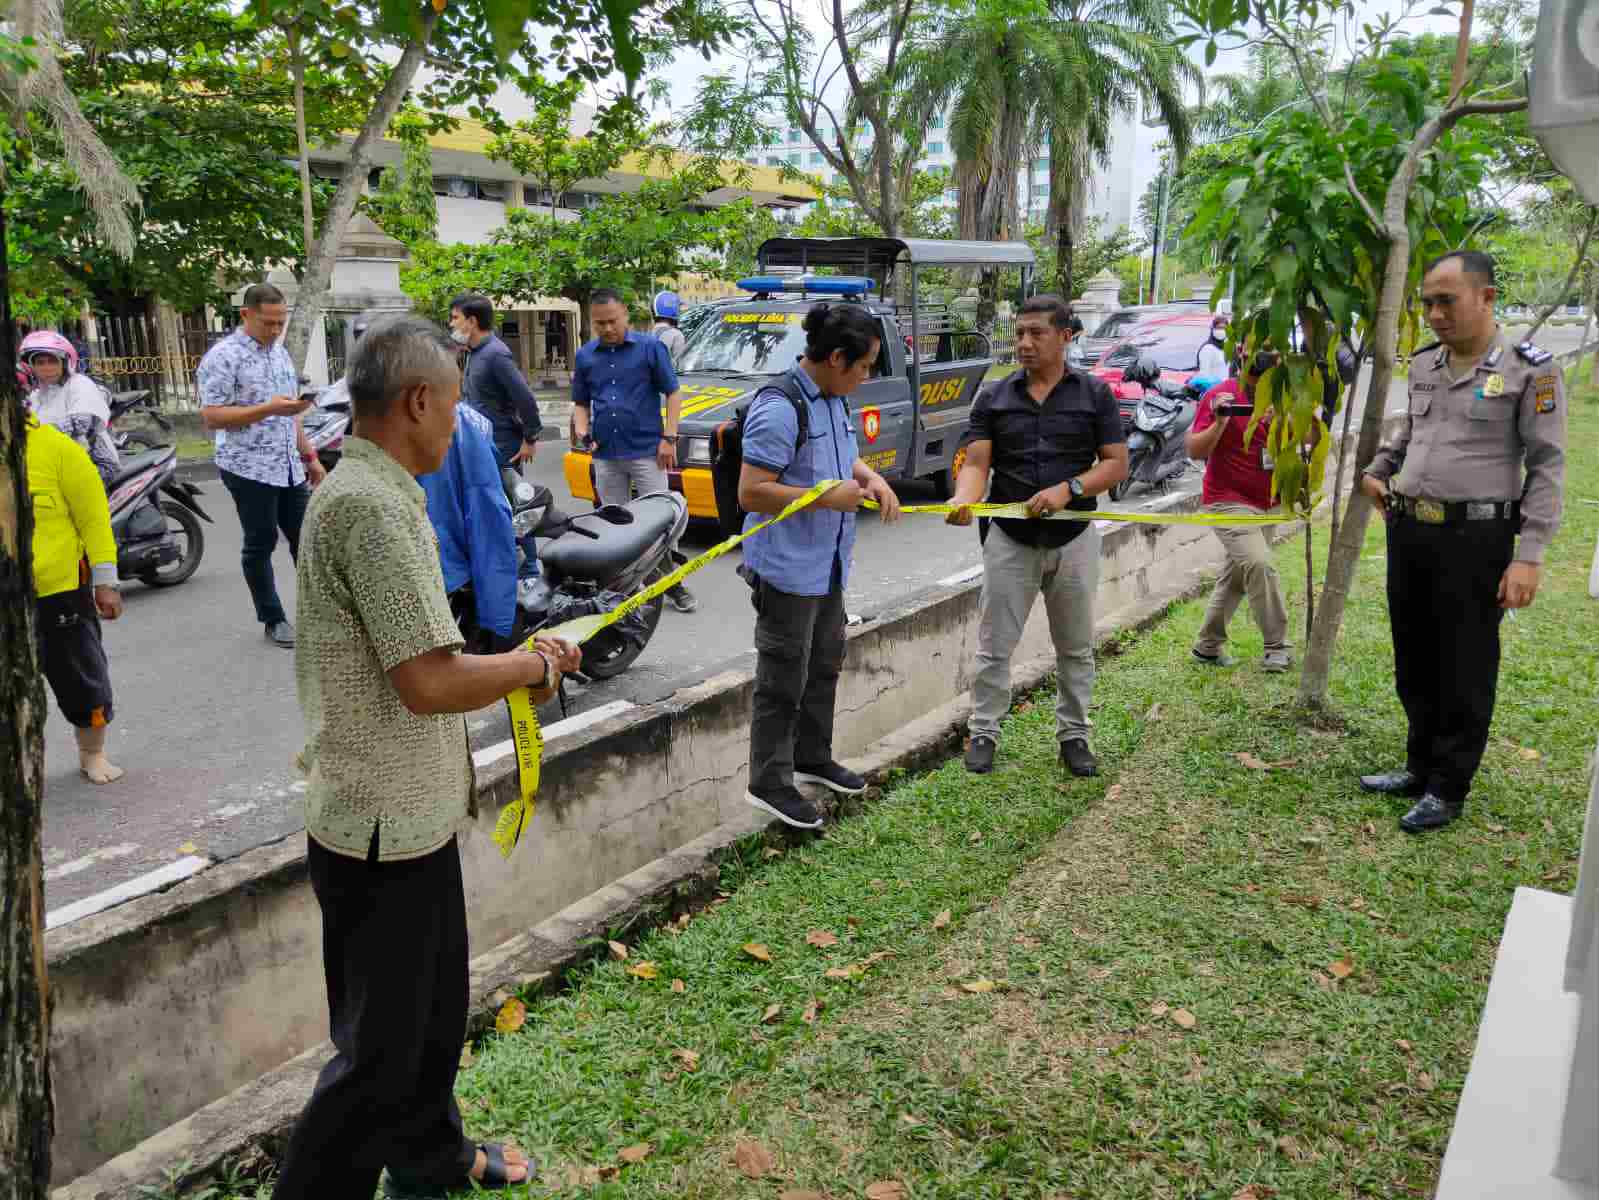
point(31, 82)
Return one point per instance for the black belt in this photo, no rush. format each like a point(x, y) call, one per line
point(1453, 512)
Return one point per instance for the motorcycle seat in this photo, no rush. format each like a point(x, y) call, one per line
point(574, 556)
point(132, 464)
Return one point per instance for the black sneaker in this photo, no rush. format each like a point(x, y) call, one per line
point(788, 806)
point(1430, 812)
point(681, 599)
point(980, 754)
point(1076, 757)
point(831, 775)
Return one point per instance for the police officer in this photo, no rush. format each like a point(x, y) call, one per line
point(1453, 491)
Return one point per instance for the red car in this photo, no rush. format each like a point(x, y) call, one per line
point(1173, 340)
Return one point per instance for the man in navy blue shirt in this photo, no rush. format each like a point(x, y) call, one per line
point(472, 518)
point(800, 567)
point(618, 382)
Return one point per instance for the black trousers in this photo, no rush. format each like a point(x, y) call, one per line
point(395, 952)
point(799, 642)
point(1443, 605)
point(73, 658)
point(264, 511)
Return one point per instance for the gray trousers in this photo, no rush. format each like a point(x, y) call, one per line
point(1013, 575)
point(617, 479)
point(1247, 571)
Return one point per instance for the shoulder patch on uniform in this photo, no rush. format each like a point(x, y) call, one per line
point(1544, 393)
point(1533, 354)
point(1441, 358)
point(1420, 350)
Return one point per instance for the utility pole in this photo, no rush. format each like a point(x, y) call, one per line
point(1160, 234)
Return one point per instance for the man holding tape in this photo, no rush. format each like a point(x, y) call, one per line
point(800, 567)
point(383, 686)
point(1053, 438)
point(1482, 410)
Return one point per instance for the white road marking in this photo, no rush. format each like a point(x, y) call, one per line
point(965, 576)
point(558, 729)
point(88, 860)
point(142, 885)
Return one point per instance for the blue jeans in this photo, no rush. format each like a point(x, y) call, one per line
point(265, 510)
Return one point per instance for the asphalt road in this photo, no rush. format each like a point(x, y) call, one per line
point(207, 724)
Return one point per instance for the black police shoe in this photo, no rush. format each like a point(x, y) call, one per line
point(787, 805)
point(980, 754)
point(831, 775)
point(1430, 812)
point(1077, 758)
point(1393, 783)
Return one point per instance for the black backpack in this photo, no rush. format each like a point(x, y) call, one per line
point(727, 451)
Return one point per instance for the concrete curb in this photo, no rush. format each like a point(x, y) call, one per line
point(248, 1126)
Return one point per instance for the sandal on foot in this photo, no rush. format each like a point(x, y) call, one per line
point(496, 1178)
point(496, 1171)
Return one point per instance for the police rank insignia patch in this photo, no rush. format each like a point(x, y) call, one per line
point(1494, 385)
point(1544, 393)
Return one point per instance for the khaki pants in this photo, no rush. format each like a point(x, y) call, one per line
point(1013, 577)
point(1248, 571)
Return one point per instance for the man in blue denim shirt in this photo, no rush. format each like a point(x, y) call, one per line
point(800, 567)
point(620, 382)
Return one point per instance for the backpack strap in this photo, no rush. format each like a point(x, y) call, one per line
point(796, 397)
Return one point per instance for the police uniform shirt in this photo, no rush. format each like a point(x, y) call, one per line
point(1470, 438)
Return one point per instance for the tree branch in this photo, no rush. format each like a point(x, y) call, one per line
point(1571, 276)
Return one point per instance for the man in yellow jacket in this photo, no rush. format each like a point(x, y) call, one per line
point(75, 577)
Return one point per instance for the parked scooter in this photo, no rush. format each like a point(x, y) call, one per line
point(131, 441)
point(326, 422)
point(1157, 448)
point(590, 564)
point(147, 501)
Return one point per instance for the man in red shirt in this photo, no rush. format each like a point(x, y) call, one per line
point(1238, 482)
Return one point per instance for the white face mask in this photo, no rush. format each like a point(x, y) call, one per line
point(459, 338)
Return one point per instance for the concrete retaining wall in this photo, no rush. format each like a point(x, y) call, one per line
point(169, 1002)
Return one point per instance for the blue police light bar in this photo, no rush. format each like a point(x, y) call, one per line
point(820, 285)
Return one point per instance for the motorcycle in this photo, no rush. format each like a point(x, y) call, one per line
point(590, 563)
point(135, 440)
point(146, 499)
point(1157, 449)
point(327, 422)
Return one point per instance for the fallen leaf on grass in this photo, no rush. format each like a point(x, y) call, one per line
point(1403, 1045)
point(1531, 755)
point(821, 938)
point(1424, 1081)
point(512, 1016)
point(1324, 982)
point(1369, 829)
point(793, 1194)
point(1343, 968)
point(876, 883)
point(911, 1121)
point(679, 986)
point(1357, 904)
point(873, 959)
point(1303, 900)
point(1496, 829)
point(467, 1057)
point(1026, 706)
point(689, 1058)
point(1548, 826)
point(811, 1009)
point(1154, 712)
point(978, 986)
point(753, 1160)
point(849, 972)
point(1254, 1191)
point(888, 1189)
point(1113, 793)
point(1183, 1018)
point(588, 1176)
point(636, 1154)
point(618, 951)
point(1159, 1008)
point(1250, 761)
point(976, 837)
point(942, 920)
point(772, 852)
point(773, 1011)
point(684, 919)
point(758, 951)
point(853, 922)
point(643, 970)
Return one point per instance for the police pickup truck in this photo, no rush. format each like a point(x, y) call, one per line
point(909, 417)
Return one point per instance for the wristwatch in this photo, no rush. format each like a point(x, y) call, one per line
point(1076, 488)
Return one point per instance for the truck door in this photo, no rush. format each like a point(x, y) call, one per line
point(882, 410)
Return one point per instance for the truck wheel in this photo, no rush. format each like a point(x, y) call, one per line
point(945, 479)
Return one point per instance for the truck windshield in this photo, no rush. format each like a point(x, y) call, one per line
point(748, 343)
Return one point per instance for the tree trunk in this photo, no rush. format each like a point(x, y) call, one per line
point(306, 213)
point(1065, 251)
point(1571, 276)
point(27, 1110)
point(320, 257)
point(1344, 557)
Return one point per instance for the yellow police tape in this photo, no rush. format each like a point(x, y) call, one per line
point(525, 733)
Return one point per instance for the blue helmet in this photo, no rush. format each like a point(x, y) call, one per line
point(666, 305)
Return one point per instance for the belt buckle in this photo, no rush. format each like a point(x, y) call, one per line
point(1429, 511)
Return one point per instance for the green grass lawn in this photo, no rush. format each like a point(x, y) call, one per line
point(1191, 977)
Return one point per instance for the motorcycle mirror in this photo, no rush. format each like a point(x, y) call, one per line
point(615, 514)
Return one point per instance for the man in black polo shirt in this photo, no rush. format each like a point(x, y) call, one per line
point(1053, 438)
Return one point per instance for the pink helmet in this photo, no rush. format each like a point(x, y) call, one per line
point(46, 341)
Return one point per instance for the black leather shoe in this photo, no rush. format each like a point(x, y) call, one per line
point(1077, 758)
point(281, 633)
point(1393, 783)
point(980, 754)
point(1429, 812)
